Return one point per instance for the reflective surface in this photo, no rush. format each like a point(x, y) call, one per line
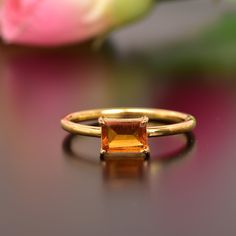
point(52, 186)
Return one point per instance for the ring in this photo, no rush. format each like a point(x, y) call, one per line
point(126, 130)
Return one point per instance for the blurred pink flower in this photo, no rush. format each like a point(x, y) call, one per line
point(56, 22)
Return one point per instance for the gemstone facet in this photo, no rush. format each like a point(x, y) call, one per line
point(124, 135)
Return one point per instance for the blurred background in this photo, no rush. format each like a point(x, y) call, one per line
point(181, 56)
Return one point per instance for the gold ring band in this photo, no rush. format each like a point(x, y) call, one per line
point(180, 122)
point(126, 130)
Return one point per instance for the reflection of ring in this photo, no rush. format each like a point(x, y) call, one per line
point(131, 168)
point(125, 130)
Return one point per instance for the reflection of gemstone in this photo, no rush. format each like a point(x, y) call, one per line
point(124, 135)
point(124, 167)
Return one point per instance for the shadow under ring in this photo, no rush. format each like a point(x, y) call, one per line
point(165, 159)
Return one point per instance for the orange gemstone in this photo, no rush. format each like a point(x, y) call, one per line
point(127, 135)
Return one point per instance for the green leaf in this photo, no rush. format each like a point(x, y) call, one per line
point(124, 11)
point(214, 50)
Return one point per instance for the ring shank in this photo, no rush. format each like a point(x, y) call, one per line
point(180, 122)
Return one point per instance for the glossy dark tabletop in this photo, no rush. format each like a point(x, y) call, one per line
point(54, 184)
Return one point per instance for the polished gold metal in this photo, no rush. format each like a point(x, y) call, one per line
point(178, 122)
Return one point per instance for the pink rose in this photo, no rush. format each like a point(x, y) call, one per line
point(56, 22)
